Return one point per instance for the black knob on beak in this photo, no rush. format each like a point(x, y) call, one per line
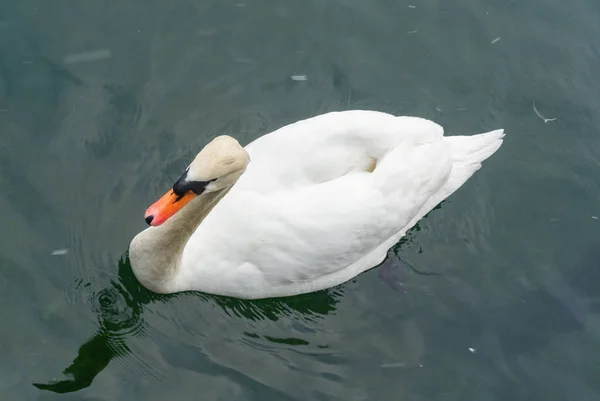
point(149, 219)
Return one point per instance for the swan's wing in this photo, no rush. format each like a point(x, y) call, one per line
point(317, 230)
point(329, 146)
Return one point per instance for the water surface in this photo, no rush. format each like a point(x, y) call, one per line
point(102, 104)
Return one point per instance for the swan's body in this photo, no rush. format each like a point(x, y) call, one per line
point(321, 201)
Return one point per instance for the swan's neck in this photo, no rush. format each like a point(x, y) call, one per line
point(156, 252)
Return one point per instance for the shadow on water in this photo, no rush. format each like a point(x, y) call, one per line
point(119, 308)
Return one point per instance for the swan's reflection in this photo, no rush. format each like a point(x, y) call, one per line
point(119, 308)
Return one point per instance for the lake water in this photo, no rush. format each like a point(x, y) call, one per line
point(494, 296)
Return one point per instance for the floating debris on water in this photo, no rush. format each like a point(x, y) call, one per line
point(496, 40)
point(392, 365)
point(546, 120)
point(299, 77)
point(93, 55)
point(245, 60)
point(58, 252)
point(207, 32)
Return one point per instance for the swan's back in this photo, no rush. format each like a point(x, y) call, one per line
point(331, 145)
point(311, 212)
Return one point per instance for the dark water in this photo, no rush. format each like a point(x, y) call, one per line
point(102, 104)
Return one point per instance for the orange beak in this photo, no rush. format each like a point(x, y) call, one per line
point(166, 207)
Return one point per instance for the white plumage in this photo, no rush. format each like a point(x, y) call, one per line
point(323, 200)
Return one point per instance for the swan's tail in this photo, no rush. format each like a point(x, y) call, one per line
point(475, 148)
point(468, 153)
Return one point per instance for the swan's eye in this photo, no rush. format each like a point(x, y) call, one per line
point(182, 186)
point(198, 187)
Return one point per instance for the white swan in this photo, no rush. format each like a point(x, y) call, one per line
point(304, 208)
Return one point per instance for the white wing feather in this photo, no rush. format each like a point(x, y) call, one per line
point(306, 216)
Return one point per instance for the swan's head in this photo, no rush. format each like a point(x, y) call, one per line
point(218, 166)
